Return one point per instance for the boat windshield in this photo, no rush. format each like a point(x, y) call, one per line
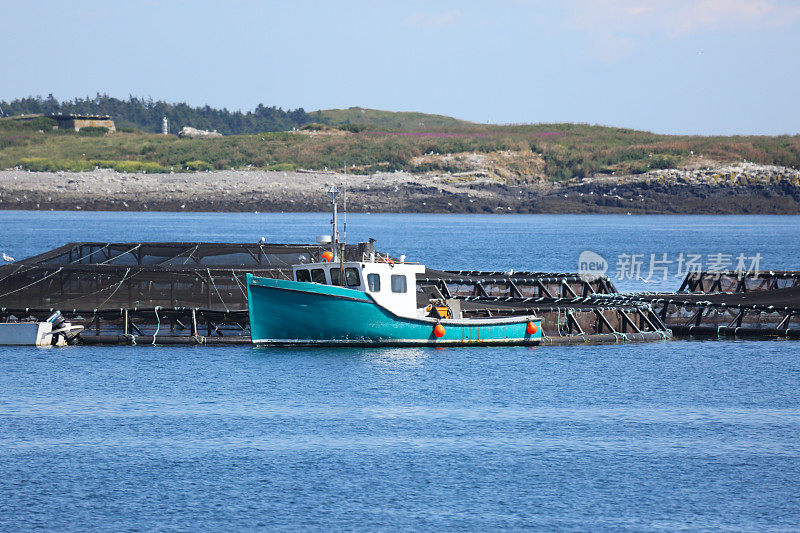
point(351, 277)
point(318, 275)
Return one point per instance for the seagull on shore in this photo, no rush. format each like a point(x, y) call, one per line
point(8, 258)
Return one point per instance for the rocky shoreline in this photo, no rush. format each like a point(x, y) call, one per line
point(744, 188)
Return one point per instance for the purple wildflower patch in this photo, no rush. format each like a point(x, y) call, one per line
point(437, 135)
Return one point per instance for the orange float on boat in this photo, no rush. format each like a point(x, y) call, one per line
point(438, 331)
point(531, 328)
point(327, 256)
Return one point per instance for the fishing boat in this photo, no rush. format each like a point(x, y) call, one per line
point(372, 301)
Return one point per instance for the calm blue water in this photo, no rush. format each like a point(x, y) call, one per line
point(681, 435)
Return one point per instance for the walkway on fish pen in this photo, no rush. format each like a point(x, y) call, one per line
point(566, 301)
point(764, 304)
point(194, 292)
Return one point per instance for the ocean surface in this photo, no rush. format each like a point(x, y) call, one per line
point(667, 436)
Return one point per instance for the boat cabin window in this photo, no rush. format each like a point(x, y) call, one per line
point(351, 277)
point(335, 273)
point(374, 282)
point(303, 275)
point(398, 283)
point(318, 275)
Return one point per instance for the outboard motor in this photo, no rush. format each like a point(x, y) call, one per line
point(57, 319)
point(62, 328)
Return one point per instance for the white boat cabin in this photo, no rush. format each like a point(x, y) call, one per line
point(391, 285)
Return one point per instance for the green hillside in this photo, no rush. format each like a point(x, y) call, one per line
point(513, 153)
point(388, 120)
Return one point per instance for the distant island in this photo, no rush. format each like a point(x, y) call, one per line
point(269, 159)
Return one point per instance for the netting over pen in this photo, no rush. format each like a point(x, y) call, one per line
point(92, 276)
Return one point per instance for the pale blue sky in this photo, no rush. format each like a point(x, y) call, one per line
point(669, 66)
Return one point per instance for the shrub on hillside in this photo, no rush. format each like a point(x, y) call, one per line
point(41, 164)
point(38, 164)
point(315, 126)
point(148, 167)
point(353, 128)
point(13, 140)
point(663, 161)
point(198, 165)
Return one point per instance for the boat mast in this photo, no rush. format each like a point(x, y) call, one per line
point(344, 237)
point(334, 194)
point(344, 206)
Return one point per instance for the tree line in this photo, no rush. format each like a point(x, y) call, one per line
point(146, 114)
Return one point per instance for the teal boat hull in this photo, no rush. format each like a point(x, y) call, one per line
point(296, 313)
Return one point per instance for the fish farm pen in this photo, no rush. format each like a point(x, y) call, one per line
point(762, 313)
point(179, 293)
point(566, 302)
point(727, 281)
point(724, 303)
point(125, 292)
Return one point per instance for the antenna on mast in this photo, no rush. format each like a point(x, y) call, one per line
point(333, 194)
point(344, 202)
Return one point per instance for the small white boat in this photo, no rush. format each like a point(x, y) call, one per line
point(26, 333)
point(55, 331)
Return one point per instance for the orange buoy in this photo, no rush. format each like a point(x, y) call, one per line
point(531, 328)
point(438, 331)
point(327, 256)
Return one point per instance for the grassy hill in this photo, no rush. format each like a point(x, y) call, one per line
point(513, 154)
point(388, 120)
